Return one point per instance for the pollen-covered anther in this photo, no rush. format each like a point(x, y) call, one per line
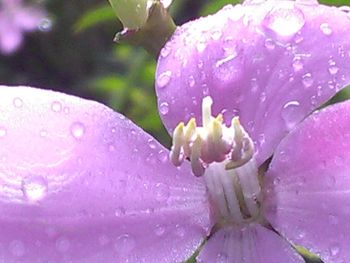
point(213, 142)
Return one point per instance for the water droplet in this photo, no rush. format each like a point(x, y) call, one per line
point(164, 108)
point(34, 188)
point(286, 21)
point(335, 249)
point(180, 231)
point(325, 28)
point(159, 230)
point(56, 106)
point(162, 192)
point(191, 81)
point(297, 64)
point(152, 144)
point(125, 243)
point(307, 80)
point(120, 211)
point(3, 132)
point(77, 130)
point(276, 181)
point(222, 258)
point(301, 234)
point(164, 79)
point(333, 69)
point(17, 248)
point(262, 97)
point(111, 147)
point(291, 113)
point(163, 156)
point(269, 44)
point(62, 244)
point(45, 25)
point(18, 102)
point(165, 51)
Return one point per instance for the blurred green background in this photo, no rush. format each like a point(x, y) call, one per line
point(75, 54)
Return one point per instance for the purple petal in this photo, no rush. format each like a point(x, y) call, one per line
point(271, 63)
point(10, 36)
point(308, 184)
point(79, 182)
point(252, 243)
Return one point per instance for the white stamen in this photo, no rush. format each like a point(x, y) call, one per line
point(225, 156)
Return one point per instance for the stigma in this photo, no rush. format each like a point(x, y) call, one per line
point(224, 156)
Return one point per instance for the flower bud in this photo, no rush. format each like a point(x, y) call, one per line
point(132, 13)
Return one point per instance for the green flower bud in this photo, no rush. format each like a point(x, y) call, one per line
point(132, 13)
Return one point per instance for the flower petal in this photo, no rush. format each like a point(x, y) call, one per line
point(271, 63)
point(81, 183)
point(253, 243)
point(308, 184)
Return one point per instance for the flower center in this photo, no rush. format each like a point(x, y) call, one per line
point(224, 156)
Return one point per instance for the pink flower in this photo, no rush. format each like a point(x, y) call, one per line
point(81, 183)
point(15, 19)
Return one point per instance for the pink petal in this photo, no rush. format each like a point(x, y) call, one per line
point(271, 63)
point(81, 183)
point(308, 184)
point(10, 36)
point(251, 244)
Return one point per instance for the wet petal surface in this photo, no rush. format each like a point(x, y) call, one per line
point(252, 243)
point(80, 183)
point(307, 188)
point(270, 63)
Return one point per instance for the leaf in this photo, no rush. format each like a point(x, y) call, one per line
point(93, 17)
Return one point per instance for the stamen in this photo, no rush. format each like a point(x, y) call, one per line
point(225, 156)
point(213, 142)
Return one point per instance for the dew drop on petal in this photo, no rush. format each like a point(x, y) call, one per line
point(17, 102)
point(222, 258)
point(286, 21)
point(335, 249)
point(333, 69)
point(34, 188)
point(307, 80)
point(191, 81)
point(162, 156)
point(297, 64)
point(180, 231)
point(159, 230)
point(56, 106)
point(17, 248)
point(77, 130)
point(269, 44)
point(164, 79)
point(291, 113)
point(152, 144)
point(162, 192)
point(125, 243)
point(325, 28)
point(164, 108)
